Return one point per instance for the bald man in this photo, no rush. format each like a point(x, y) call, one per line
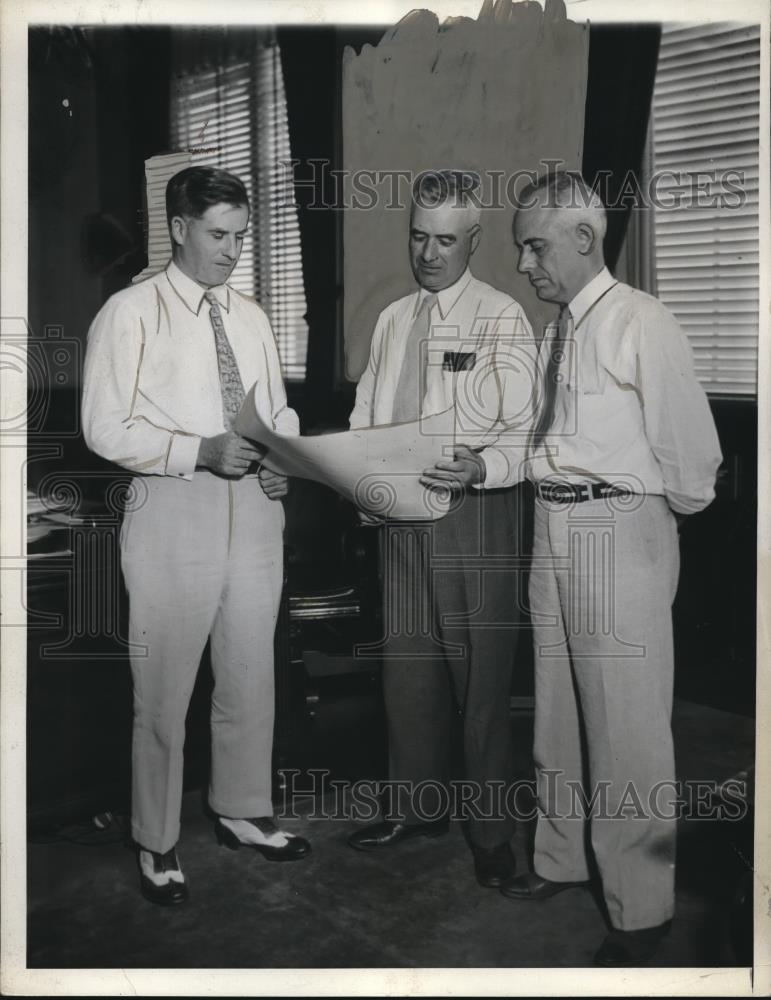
point(624, 446)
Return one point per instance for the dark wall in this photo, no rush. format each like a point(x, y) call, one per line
point(86, 166)
point(64, 183)
point(714, 611)
point(98, 107)
point(132, 66)
point(85, 242)
point(312, 65)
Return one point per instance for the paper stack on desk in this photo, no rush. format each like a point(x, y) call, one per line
point(158, 171)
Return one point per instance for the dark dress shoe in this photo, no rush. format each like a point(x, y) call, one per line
point(630, 948)
point(158, 885)
point(388, 834)
point(532, 886)
point(493, 865)
point(294, 848)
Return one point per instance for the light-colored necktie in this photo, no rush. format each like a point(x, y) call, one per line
point(231, 386)
point(411, 387)
point(553, 376)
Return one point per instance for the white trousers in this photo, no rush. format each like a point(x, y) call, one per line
point(603, 579)
point(201, 559)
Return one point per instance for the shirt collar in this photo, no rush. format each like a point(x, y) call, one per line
point(191, 293)
point(589, 294)
point(447, 297)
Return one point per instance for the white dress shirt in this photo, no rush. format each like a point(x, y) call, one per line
point(493, 397)
point(151, 386)
point(629, 409)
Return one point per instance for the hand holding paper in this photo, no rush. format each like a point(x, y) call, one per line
point(467, 469)
point(274, 485)
point(228, 454)
point(377, 468)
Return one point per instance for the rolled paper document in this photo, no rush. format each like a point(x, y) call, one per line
point(376, 468)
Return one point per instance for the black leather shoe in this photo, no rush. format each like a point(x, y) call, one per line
point(388, 834)
point(159, 877)
point(532, 886)
point(630, 948)
point(493, 865)
point(294, 848)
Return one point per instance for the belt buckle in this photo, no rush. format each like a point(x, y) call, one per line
point(605, 491)
point(558, 493)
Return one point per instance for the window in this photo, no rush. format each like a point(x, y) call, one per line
point(234, 116)
point(706, 119)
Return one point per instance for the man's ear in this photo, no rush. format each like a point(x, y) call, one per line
point(586, 238)
point(476, 236)
point(178, 230)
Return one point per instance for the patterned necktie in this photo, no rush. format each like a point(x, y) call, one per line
point(553, 377)
point(231, 386)
point(411, 387)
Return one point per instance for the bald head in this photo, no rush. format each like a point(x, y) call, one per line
point(558, 230)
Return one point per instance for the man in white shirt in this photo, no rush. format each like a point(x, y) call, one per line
point(458, 342)
point(167, 366)
point(624, 445)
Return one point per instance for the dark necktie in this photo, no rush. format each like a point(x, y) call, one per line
point(553, 377)
point(411, 387)
point(231, 386)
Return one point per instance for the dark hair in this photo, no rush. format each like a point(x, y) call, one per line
point(195, 189)
point(561, 188)
point(436, 187)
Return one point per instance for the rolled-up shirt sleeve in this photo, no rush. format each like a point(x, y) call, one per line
point(515, 362)
point(116, 344)
point(362, 413)
point(678, 421)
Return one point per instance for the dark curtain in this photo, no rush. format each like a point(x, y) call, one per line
point(311, 59)
point(310, 83)
point(622, 70)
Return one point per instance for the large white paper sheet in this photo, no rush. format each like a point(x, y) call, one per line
point(376, 468)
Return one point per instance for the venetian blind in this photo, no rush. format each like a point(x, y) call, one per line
point(706, 119)
point(234, 116)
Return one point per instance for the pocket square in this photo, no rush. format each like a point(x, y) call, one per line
point(459, 361)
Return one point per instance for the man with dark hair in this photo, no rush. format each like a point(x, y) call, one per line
point(624, 446)
point(190, 192)
point(167, 366)
point(456, 341)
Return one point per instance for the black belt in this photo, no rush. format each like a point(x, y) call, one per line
point(578, 492)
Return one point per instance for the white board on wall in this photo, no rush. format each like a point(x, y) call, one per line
point(502, 95)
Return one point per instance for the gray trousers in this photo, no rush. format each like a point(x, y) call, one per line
point(450, 607)
point(602, 582)
point(201, 558)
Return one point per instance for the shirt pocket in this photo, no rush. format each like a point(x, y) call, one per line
point(594, 380)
